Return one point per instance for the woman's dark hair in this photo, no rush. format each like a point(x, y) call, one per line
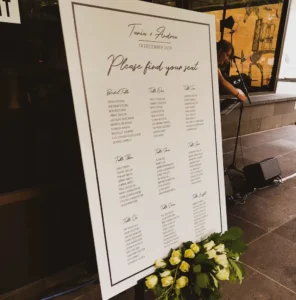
point(224, 46)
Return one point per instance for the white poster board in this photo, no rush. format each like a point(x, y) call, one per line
point(9, 11)
point(144, 83)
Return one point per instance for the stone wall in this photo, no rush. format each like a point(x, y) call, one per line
point(260, 117)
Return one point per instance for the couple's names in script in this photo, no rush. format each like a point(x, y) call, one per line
point(160, 33)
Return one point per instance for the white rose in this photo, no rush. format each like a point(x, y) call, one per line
point(208, 246)
point(160, 263)
point(167, 281)
point(223, 274)
point(165, 273)
point(222, 260)
point(211, 253)
point(151, 281)
point(220, 248)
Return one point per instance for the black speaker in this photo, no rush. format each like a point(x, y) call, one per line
point(263, 173)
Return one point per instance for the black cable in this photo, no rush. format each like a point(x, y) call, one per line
point(241, 148)
point(241, 199)
point(70, 290)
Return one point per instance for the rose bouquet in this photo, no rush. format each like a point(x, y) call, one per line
point(194, 270)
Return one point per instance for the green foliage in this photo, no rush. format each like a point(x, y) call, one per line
point(201, 258)
point(197, 290)
point(233, 277)
point(159, 289)
point(214, 237)
point(233, 255)
point(232, 234)
point(214, 295)
point(187, 245)
point(201, 281)
point(215, 281)
point(238, 246)
point(238, 269)
point(197, 269)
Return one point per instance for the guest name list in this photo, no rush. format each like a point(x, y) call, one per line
point(149, 93)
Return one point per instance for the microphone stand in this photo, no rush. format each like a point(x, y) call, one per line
point(241, 78)
point(233, 164)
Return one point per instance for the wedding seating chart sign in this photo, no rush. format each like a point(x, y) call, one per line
point(144, 83)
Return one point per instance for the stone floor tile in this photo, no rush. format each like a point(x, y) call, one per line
point(283, 143)
point(288, 230)
point(290, 182)
point(291, 137)
point(277, 190)
point(290, 129)
point(280, 199)
point(228, 288)
point(251, 232)
point(288, 167)
point(256, 139)
point(257, 287)
point(240, 160)
point(287, 132)
point(256, 211)
point(261, 152)
point(291, 155)
point(287, 163)
point(281, 132)
point(274, 256)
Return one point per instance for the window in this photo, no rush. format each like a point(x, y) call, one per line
point(256, 34)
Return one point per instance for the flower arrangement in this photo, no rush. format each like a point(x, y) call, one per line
point(194, 270)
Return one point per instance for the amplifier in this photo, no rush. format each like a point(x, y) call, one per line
point(263, 173)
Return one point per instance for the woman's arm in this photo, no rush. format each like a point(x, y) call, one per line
point(230, 88)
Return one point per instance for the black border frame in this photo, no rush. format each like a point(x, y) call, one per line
point(89, 122)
